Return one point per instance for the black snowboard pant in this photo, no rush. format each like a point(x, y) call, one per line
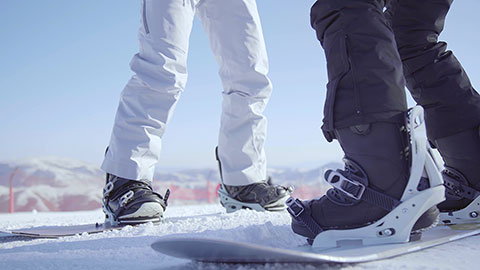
point(374, 47)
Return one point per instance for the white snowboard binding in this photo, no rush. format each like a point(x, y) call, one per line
point(232, 205)
point(262, 196)
point(457, 189)
point(397, 226)
point(467, 215)
point(128, 202)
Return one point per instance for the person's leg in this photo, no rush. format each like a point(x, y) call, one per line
point(146, 104)
point(149, 98)
point(365, 111)
point(438, 82)
point(434, 76)
point(236, 39)
point(362, 62)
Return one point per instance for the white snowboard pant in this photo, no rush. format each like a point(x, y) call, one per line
point(149, 98)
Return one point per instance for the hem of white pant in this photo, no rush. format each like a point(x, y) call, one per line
point(128, 170)
point(241, 178)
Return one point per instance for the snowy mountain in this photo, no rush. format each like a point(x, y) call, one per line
point(61, 184)
point(50, 184)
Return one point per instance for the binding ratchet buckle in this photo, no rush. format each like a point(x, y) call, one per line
point(352, 189)
point(294, 207)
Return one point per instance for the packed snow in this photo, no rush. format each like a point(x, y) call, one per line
point(129, 248)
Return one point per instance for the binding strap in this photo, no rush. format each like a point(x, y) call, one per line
point(303, 214)
point(350, 186)
point(358, 191)
point(457, 185)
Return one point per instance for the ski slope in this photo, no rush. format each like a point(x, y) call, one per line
point(129, 248)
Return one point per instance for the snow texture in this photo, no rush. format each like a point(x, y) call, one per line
point(129, 248)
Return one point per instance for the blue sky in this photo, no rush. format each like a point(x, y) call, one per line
point(64, 64)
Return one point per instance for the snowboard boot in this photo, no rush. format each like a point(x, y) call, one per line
point(131, 202)
point(378, 161)
point(261, 196)
point(461, 154)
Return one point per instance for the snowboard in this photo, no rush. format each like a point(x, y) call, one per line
point(224, 251)
point(71, 230)
point(60, 231)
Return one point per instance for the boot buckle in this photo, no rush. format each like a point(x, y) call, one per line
point(352, 189)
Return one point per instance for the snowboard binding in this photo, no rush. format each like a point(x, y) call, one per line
point(457, 188)
point(232, 205)
point(422, 193)
point(131, 202)
point(262, 196)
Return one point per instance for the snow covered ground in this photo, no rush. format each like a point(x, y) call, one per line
point(129, 248)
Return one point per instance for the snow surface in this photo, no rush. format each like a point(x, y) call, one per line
point(129, 248)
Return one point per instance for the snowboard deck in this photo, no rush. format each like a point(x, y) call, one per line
point(71, 230)
point(224, 251)
point(60, 231)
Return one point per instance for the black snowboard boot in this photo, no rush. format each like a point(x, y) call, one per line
point(261, 196)
point(461, 153)
point(131, 202)
point(377, 170)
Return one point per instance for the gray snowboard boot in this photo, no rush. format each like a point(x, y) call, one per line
point(378, 164)
point(261, 196)
point(131, 202)
point(461, 153)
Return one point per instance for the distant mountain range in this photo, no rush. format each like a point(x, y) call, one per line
point(61, 184)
